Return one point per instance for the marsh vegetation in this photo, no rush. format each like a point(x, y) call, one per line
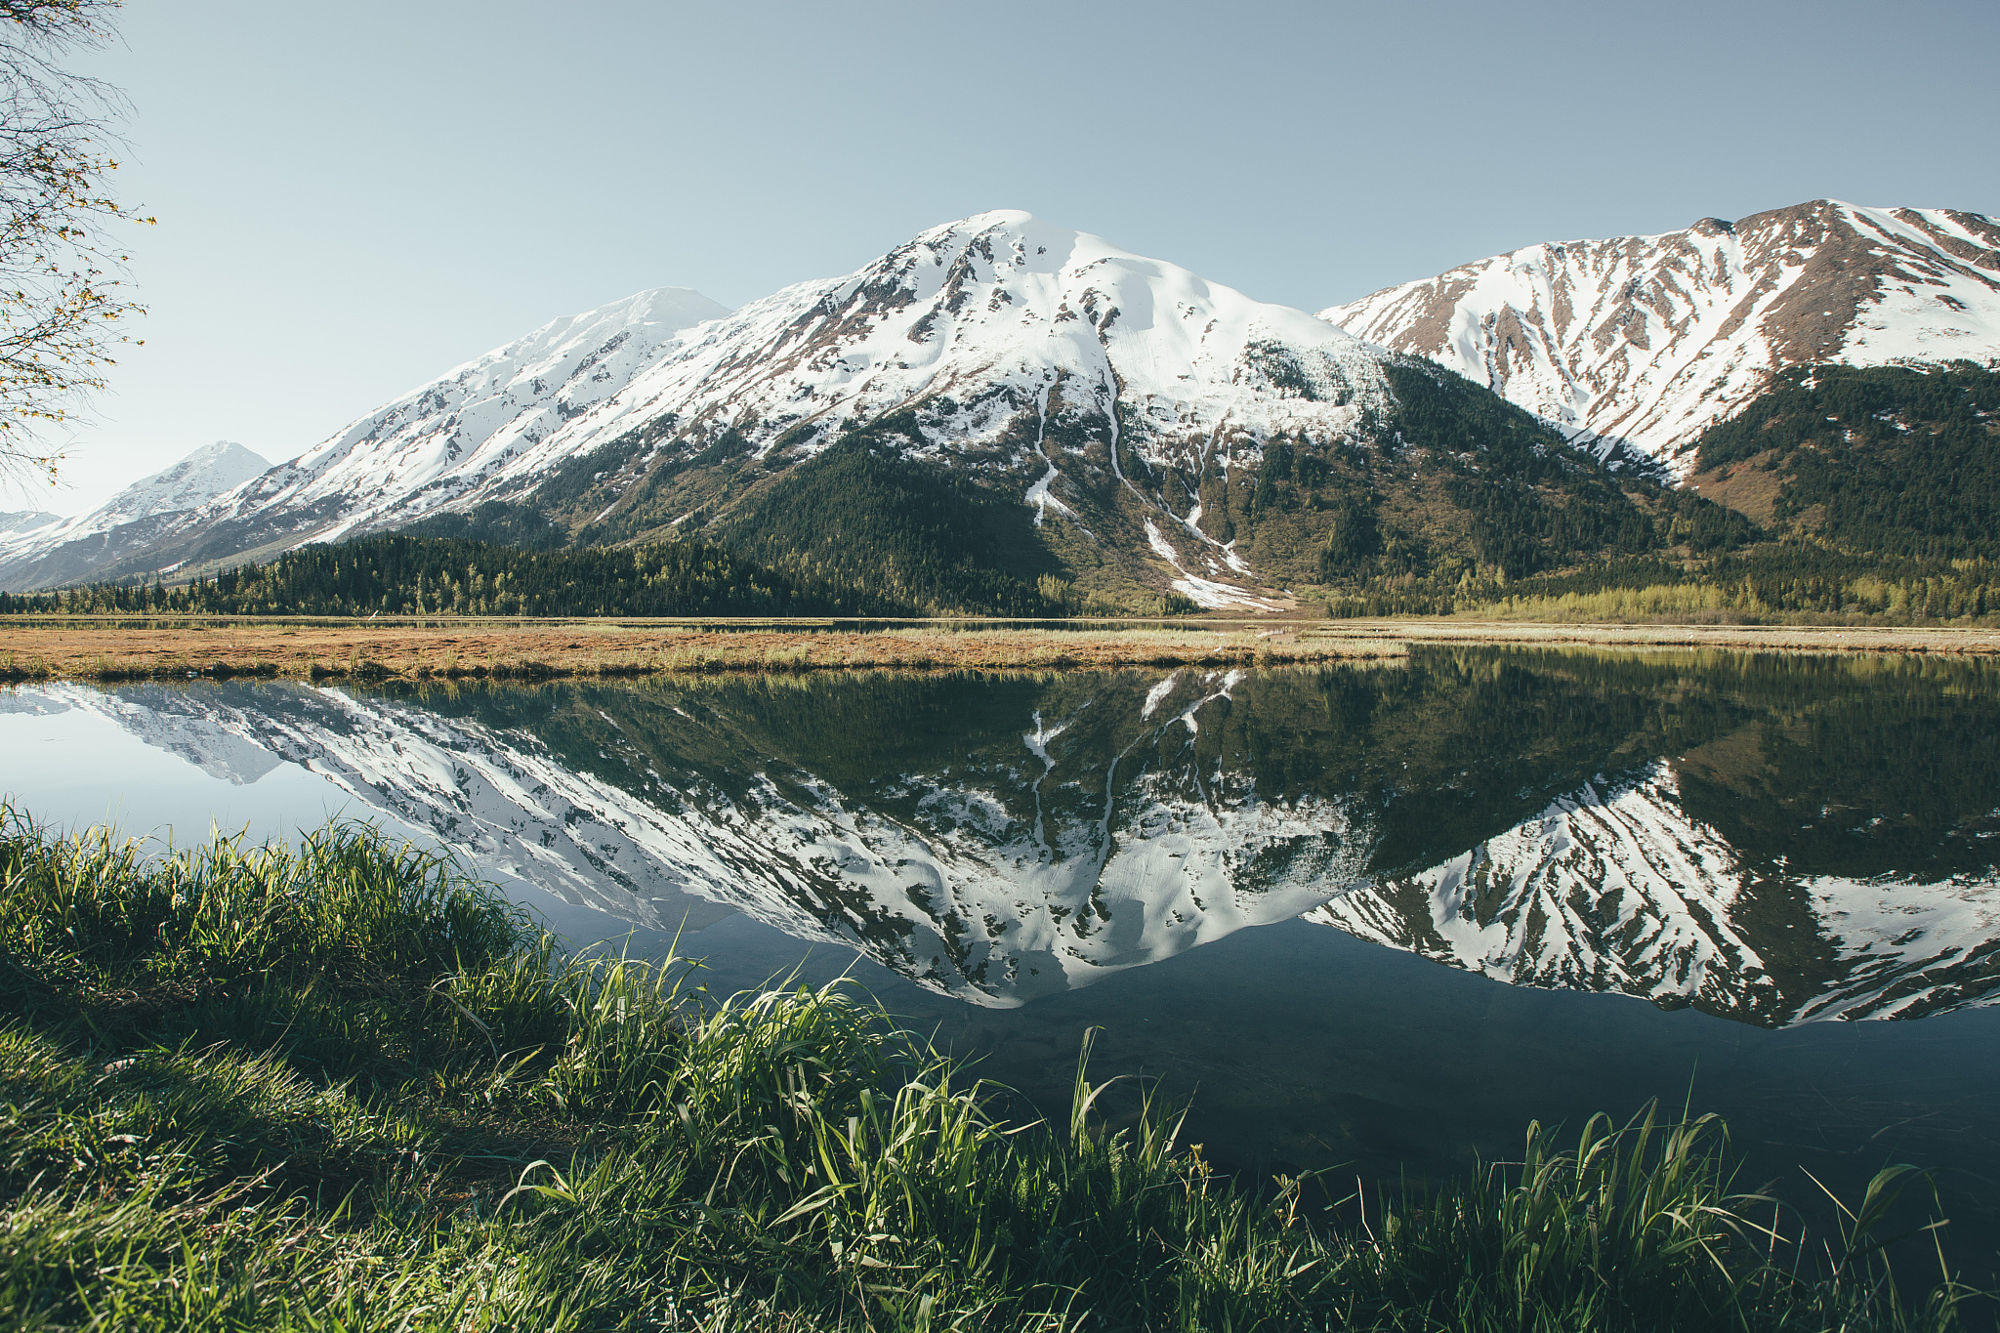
point(340, 1085)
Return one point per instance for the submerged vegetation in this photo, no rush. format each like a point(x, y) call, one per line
point(340, 1086)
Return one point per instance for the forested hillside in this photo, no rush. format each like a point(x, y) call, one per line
point(1452, 486)
point(869, 518)
point(1885, 460)
point(1875, 495)
point(1842, 494)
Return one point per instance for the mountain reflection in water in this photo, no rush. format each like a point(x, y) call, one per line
point(1770, 839)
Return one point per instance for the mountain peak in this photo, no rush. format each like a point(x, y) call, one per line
point(201, 475)
point(128, 520)
point(992, 335)
point(1644, 342)
point(14, 521)
point(222, 451)
point(989, 220)
point(655, 305)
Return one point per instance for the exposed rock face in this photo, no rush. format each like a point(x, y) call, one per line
point(1643, 342)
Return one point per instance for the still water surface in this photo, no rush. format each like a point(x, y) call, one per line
point(1375, 917)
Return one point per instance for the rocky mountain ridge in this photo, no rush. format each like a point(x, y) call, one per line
point(1638, 344)
point(1001, 412)
point(13, 521)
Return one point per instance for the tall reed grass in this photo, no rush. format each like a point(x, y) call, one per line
point(341, 1087)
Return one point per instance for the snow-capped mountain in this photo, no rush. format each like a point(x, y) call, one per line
point(201, 476)
point(129, 521)
point(1646, 341)
point(1615, 887)
point(15, 521)
point(1143, 429)
point(508, 399)
point(1041, 359)
point(1045, 362)
point(981, 323)
point(501, 417)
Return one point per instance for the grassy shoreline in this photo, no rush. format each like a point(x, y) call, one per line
point(316, 649)
point(341, 1087)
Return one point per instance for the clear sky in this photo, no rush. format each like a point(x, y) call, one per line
point(353, 198)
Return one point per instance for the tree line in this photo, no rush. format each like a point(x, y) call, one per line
point(400, 574)
point(1772, 581)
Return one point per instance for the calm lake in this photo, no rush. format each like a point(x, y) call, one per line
point(1374, 917)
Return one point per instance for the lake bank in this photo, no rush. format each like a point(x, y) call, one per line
point(341, 1083)
point(112, 650)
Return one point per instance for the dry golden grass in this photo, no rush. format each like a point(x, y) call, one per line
point(364, 651)
point(536, 651)
point(1766, 638)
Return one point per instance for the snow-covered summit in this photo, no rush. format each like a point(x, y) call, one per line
point(982, 320)
point(1017, 346)
point(433, 440)
point(199, 477)
point(1646, 341)
point(129, 519)
point(14, 521)
point(997, 310)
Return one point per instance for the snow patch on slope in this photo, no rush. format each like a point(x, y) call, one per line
point(1202, 591)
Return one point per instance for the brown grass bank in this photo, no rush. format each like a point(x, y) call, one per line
point(531, 651)
point(367, 650)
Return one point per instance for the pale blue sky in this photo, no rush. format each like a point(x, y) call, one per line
point(352, 198)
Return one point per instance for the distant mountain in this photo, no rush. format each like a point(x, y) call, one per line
point(129, 523)
point(25, 520)
point(477, 427)
point(1642, 343)
point(996, 407)
point(418, 443)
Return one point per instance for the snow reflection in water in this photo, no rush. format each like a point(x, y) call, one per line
point(1770, 839)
